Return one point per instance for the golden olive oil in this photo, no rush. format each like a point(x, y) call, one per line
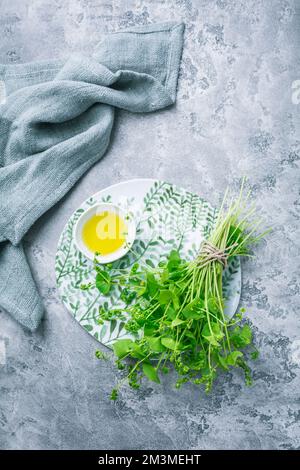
point(104, 233)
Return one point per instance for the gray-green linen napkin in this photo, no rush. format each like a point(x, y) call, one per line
point(56, 123)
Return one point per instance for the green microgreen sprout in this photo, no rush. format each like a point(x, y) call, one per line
point(101, 355)
point(175, 311)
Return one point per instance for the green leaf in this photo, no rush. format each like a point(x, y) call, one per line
point(247, 334)
point(165, 296)
point(136, 351)
point(149, 330)
point(171, 313)
point(222, 361)
point(175, 275)
point(103, 282)
point(155, 344)
point(176, 303)
point(213, 305)
point(113, 324)
point(214, 336)
point(174, 260)
point(101, 355)
point(150, 263)
point(232, 357)
point(114, 394)
point(201, 360)
point(212, 340)
point(134, 268)
point(88, 327)
point(176, 322)
point(216, 329)
point(170, 343)
point(174, 256)
point(102, 332)
point(241, 337)
point(235, 235)
point(194, 310)
point(164, 277)
point(150, 372)
point(122, 347)
point(191, 336)
point(192, 315)
point(152, 285)
point(247, 372)
point(255, 355)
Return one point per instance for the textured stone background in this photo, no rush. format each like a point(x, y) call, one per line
point(236, 114)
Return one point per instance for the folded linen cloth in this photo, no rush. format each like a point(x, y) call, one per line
point(56, 123)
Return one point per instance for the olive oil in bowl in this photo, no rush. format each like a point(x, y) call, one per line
point(104, 233)
point(106, 230)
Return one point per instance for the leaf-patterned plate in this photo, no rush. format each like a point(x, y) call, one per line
point(167, 217)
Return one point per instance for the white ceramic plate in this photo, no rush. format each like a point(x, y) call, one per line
point(166, 217)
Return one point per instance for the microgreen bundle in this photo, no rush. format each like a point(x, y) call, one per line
point(175, 311)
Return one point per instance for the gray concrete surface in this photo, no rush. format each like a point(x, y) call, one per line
point(237, 114)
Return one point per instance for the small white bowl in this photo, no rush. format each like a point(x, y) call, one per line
point(97, 209)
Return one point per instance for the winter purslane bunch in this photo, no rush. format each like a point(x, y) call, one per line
point(175, 310)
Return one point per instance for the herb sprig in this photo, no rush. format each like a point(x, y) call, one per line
point(175, 310)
